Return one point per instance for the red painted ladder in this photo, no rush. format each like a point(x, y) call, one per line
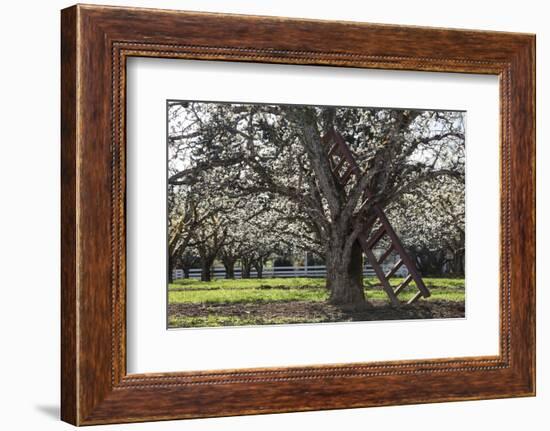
point(342, 160)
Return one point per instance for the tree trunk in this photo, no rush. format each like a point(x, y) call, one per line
point(206, 269)
point(246, 266)
point(345, 278)
point(171, 265)
point(456, 264)
point(186, 272)
point(259, 266)
point(229, 266)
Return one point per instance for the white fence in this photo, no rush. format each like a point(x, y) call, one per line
point(280, 271)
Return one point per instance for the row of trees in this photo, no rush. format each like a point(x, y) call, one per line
point(204, 229)
point(247, 182)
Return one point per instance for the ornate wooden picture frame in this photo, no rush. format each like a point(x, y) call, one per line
point(96, 41)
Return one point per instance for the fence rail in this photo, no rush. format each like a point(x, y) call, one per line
point(277, 271)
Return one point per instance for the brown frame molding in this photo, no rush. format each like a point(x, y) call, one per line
point(95, 43)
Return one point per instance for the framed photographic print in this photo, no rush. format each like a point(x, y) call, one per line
point(265, 215)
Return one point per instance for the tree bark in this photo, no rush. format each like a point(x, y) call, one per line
point(229, 266)
point(206, 269)
point(456, 264)
point(185, 272)
point(345, 278)
point(171, 265)
point(259, 266)
point(246, 266)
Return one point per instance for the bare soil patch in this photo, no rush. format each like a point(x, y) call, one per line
point(259, 313)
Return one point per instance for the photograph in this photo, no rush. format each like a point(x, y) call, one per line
point(285, 214)
point(314, 215)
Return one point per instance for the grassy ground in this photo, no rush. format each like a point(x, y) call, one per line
point(222, 302)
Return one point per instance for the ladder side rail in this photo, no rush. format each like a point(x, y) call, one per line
point(346, 152)
point(402, 252)
point(379, 273)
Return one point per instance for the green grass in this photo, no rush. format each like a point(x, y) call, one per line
point(294, 289)
point(254, 283)
point(247, 295)
point(250, 283)
point(216, 320)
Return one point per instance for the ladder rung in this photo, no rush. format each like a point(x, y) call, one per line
point(345, 178)
point(394, 268)
point(364, 204)
point(333, 150)
point(376, 237)
point(338, 165)
point(404, 284)
point(380, 274)
point(385, 254)
point(415, 297)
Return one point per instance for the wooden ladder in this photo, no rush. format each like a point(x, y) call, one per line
point(343, 165)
